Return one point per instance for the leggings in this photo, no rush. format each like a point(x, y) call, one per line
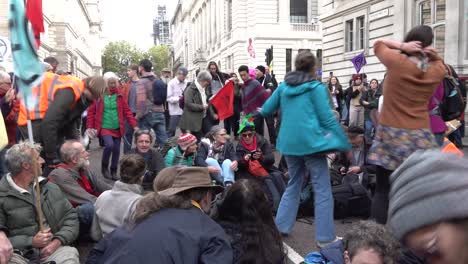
point(111, 146)
point(379, 210)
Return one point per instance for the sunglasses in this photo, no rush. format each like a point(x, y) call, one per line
point(246, 135)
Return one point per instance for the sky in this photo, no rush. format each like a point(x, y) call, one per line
point(132, 20)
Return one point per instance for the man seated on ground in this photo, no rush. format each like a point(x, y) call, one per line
point(369, 242)
point(18, 211)
point(77, 183)
point(183, 153)
point(355, 162)
point(115, 207)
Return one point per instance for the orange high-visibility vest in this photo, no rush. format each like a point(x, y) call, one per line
point(449, 147)
point(43, 94)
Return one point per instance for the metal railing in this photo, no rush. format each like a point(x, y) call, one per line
point(304, 27)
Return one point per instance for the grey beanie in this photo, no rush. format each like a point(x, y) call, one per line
point(429, 187)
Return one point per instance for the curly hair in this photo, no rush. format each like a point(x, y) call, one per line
point(246, 204)
point(370, 235)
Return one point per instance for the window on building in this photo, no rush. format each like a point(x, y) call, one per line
point(288, 60)
point(360, 30)
point(229, 16)
point(349, 35)
point(298, 11)
point(432, 13)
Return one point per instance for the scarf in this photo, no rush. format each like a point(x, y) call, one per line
point(252, 147)
point(216, 151)
point(202, 92)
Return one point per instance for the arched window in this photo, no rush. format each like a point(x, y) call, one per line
point(433, 13)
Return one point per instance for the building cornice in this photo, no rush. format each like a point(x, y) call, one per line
point(347, 9)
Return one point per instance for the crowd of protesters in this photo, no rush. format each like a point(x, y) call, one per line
point(192, 188)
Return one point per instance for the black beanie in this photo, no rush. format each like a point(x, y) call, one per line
point(261, 68)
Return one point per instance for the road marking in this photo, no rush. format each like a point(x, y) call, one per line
point(293, 255)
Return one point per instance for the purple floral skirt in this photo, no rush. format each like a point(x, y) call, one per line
point(392, 146)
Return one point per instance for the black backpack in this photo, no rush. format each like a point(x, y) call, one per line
point(452, 105)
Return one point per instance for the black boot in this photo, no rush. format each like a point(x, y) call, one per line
point(113, 173)
point(105, 171)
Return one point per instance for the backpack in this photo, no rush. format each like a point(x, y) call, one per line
point(452, 105)
point(159, 92)
point(170, 143)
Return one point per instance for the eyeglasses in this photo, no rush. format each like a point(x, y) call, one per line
point(246, 135)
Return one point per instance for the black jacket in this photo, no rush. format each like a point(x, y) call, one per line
point(202, 154)
point(176, 236)
point(267, 161)
point(61, 121)
point(154, 164)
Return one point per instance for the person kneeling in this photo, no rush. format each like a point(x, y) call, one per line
point(218, 155)
point(18, 211)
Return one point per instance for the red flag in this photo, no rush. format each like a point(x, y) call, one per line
point(34, 15)
point(223, 101)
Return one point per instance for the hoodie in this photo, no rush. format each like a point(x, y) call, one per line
point(308, 125)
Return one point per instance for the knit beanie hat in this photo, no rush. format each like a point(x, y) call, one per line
point(357, 76)
point(429, 187)
point(183, 71)
point(186, 140)
point(261, 68)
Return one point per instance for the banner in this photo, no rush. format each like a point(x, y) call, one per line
point(223, 101)
point(359, 61)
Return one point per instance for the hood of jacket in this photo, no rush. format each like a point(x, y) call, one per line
point(299, 83)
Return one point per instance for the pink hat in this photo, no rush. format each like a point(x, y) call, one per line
point(186, 140)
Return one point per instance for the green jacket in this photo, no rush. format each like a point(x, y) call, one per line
point(174, 157)
point(17, 213)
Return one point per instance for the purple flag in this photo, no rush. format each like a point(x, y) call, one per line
point(359, 61)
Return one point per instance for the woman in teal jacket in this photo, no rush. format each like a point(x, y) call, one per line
point(308, 131)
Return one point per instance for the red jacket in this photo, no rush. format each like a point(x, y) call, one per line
point(97, 108)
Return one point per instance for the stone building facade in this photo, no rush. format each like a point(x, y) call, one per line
point(72, 34)
point(219, 30)
point(351, 27)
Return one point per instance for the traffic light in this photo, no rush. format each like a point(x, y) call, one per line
point(269, 56)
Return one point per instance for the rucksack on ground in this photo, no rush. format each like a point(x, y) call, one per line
point(452, 105)
point(170, 143)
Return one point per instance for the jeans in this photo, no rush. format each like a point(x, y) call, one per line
point(85, 217)
point(439, 137)
point(317, 167)
point(232, 124)
point(227, 174)
point(128, 138)
point(258, 122)
point(369, 126)
point(173, 123)
point(157, 122)
point(270, 121)
point(272, 191)
point(111, 146)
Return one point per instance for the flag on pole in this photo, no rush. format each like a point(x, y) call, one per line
point(359, 61)
point(34, 15)
point(223, 101)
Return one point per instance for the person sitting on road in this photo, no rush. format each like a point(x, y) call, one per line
point(428, 210)
point(218, 155)
point(257, 161)
point(171, 226)
point(115, 207)
point(18, 214)
point(369, 242)
point(144, 140)
point(79, 185)
point(184, 152)
point(246, 218)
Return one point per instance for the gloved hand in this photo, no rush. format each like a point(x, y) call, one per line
point(91, 132)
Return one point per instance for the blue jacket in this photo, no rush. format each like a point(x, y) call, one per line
point(308, 125)
point(171, 236)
